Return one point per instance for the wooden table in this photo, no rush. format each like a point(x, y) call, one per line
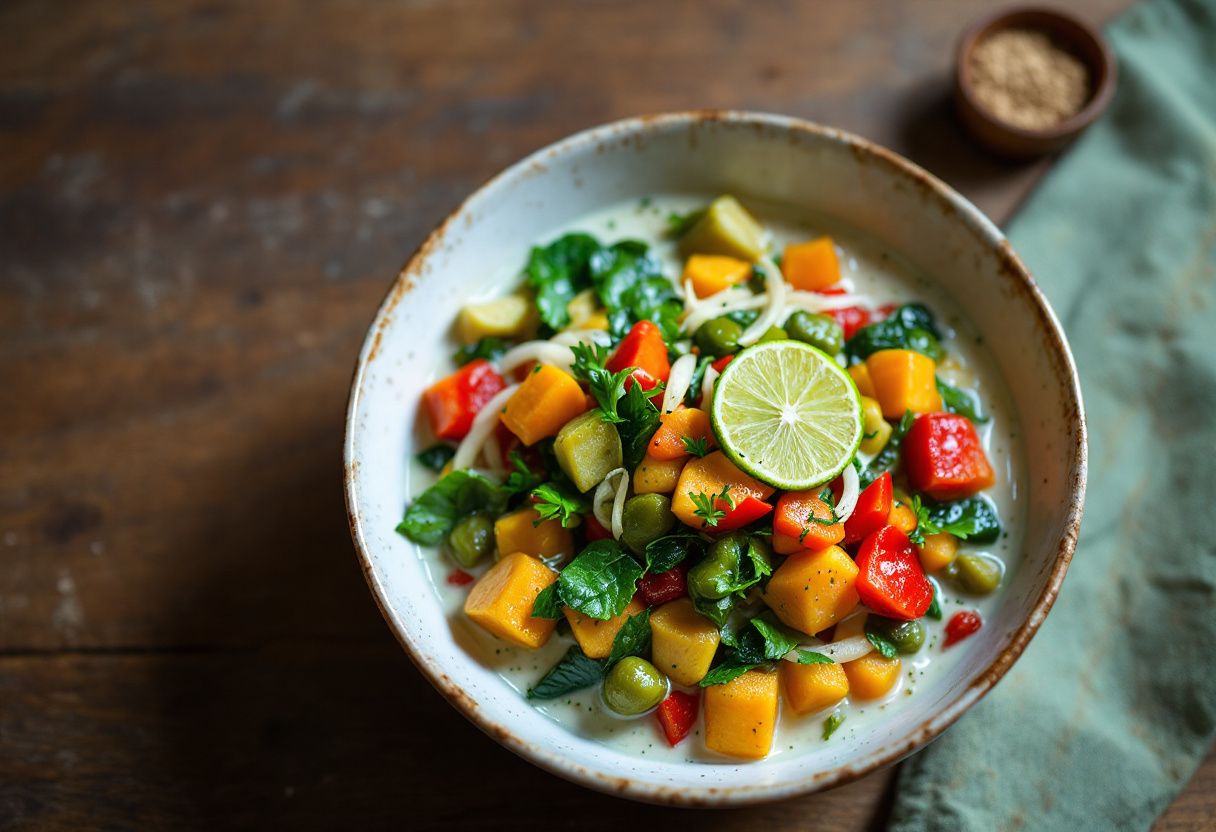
point(201, 204)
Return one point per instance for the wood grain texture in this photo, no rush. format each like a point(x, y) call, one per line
point(201, 204)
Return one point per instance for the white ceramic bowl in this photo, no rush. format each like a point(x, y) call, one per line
point(762, 156)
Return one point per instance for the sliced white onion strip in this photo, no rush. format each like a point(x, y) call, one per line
point(483, 427)
point(848, 494)
point(608, 502)
point(731, 299)
point(580, 336)
point(678, 381)
point(815, 302)
point(774, 293)
point(707, 387)
point(545, 352)
point(846, 650)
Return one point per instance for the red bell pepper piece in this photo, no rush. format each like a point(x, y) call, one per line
point(944, 458)
point(961, 625)
point(659, 588)
point(850, 318)
point(595, 531)
point(458, 577)
point(721, 363)
point(677, 714)
point(747, 510)
point(452, 402)
point(870, 515)
point(890, 579)
point(645, 350)
point(793, 519)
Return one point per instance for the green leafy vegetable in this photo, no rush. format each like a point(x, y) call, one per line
point(633, 639)
point(666, 553)
point(972, 518)
point(489, 348)
point(547, 604)
point(574, 672)
point(707, 505)
point(601, 581)
point(832, 723)
point(693, 397)
point(717, 610)
point(639, 421)
point(935, 608)
point(607, 387)
point(678, 224)
point(811, 657)
point(910, 327)
point(777, 642)
point(889, 455)
point(725, 672)
point(884, 647)
point(559, 271)
point(630, 283)
point(435, 511)
point(553, 501)
point(695, 445)
point(521, 480)
point(961, 402)
point(436, 456)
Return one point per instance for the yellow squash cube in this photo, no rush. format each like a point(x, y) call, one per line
point(711, 273)
point(861, 377)
point(501, 602)
point(811, 265)
point(515, 532)
point(683, 641)
point(596, 636)
point(544, 402)
point(811, 591)
point(813, 687)
point(871, 676)
point(938, 552)
point(513, 316)
point(741, 715)
point(657, 476)
point(904, 380)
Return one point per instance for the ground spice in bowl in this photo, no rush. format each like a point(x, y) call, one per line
point(1026, 79)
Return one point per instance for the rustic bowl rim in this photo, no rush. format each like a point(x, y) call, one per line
point(889, 753)
point(1008, 18)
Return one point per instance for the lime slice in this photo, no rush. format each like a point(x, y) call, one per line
point(787, 414)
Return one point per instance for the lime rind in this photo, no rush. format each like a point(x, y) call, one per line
point(787, 414)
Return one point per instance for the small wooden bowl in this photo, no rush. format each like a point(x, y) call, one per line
point(1082, 39)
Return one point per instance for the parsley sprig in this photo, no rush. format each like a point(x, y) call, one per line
point(696, 445)
point(607, 387)
point(926, 525)
point(554, 502)
point(707, 505)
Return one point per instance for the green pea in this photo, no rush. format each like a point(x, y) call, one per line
point(907, 636)
point(924, 342)
point(714, 576)
point(471, 539)
point(820, 331)
point(774, 333)
point(646, 517)
point(718, 337)
point(977, 574)
point(634, 686)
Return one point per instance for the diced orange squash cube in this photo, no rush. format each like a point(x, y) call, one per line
point(871, 676)
point(902, 517)
point(501, 602)
point(683, 641)
point(546, 400)
point(904, 380)
point(596, 636)
point(784, 544)
point(711, 273)
point(860, 374)
point(741, 715)
point(813, 687)
point(657, 476)
point(938, 551)
point(812, 591)
point(684, 422)
point(708, 475)
point(811, 265)
point(515, 532)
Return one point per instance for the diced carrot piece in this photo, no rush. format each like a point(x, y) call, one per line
point(547, 399)
point(793, 518)
point(904, 380)
point(711, 273)
point(596, 636)
point(709, 475)
point(681, 423)
point(811, 265)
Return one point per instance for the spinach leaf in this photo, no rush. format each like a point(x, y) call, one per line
point(884, 647)
point(630, 283)
point(889, 455)
point(716, 610)
point(601, 581)
point(639, 420)
point(962, 402)
point(727, 671)
point(693, 397)
point(972, 518)
point(910, 327)
point(832, 723)
point(633, 639)
point(777, 641)
point(811, 657)
point(666, 553)
point(678, 224)
point(547, 604)
point(489, 348)
point(435, 511)
point(559, 271)
point(574, 672)
point(436, 456)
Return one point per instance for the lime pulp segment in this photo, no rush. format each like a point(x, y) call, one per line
point(787, 414)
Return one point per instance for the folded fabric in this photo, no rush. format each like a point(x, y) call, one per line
point(1106, 716)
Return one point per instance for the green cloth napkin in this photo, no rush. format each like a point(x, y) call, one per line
point(1106, 716)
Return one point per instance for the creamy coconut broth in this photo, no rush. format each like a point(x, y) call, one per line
point(867, 269)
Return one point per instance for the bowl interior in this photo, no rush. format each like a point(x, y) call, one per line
point(766, 157)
